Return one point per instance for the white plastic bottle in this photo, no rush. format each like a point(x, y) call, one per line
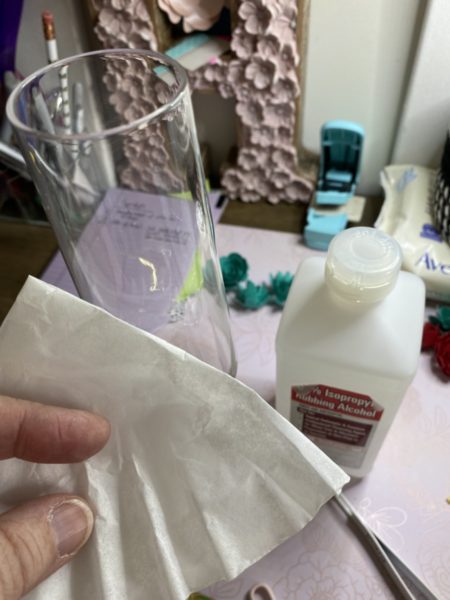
point(348, 345)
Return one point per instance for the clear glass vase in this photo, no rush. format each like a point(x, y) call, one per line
point(110, 142)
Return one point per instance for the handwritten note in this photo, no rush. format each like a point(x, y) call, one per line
point(135, 254)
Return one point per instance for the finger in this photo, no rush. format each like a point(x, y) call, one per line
point(49, 434)
point(39, 537)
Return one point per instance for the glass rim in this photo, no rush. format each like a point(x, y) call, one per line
point(18, 124)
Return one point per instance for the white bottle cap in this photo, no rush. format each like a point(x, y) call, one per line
point(362, 264)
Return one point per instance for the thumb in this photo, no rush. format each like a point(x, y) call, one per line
point(37, 538)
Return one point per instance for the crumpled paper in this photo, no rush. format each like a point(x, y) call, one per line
point(200, 478)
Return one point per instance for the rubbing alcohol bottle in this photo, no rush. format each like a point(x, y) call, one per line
point(348, 345)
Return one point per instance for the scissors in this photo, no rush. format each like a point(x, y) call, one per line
point(261, 591)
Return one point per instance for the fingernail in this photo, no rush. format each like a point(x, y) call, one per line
point(71, 523)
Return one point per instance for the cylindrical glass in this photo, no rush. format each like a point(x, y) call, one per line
point(110, 142)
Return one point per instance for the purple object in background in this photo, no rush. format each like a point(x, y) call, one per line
point(10, 13)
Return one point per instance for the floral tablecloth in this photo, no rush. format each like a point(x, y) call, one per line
point(403, 499)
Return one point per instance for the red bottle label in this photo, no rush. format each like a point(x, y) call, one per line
point(341, 422)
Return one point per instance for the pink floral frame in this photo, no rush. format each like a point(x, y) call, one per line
point(262, 75)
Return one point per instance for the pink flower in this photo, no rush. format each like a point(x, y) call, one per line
point(156, 138)
point(132, 151)
point(235, 83)
point(236, 72)
point(134, 111)
point(286, 155)
point(285, 90)
point(107, 19)
point(283, 26)
point(256, 16)
point(173, 15)
point(255, 183)
point(119, 99)
point(135, 89)
point(232, 181)
point(274, 196)
point(261, 72)
point(162, 91)
point(298, 189)
point(214, 72)
point(196, 79)
point(119, 4)
point(249, 158)
point(289, 58)
point(145, 139)
point(288, 12)
point(158, 157)
point(280, 178)
point(128, 82)
point(242, 43)
point(262, 136)
point(110, 81)
point(285, 135)
point(140, 10)
point(263, 187)
point(253, 177)
point(269, 46)
point(158, 179)
point(244, 91)
point(250, 196)
point(135, 40)
point(276, 115)
point(196, 14)
point(126, 27)
point(226, 90)
point(196, 22)
point(251, 112)
point(132, 178)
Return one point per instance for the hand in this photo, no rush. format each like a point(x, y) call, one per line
point(40, 536)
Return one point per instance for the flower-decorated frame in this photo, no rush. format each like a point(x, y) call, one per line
point(262, 74)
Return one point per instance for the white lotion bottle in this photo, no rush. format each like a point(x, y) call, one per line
point(348, 346)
